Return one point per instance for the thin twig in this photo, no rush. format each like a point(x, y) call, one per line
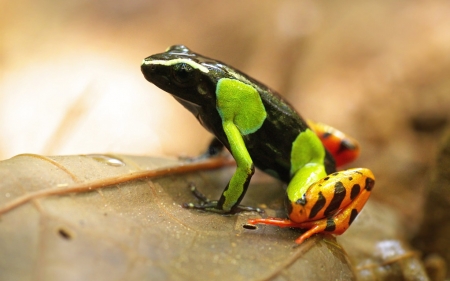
point(208, 164)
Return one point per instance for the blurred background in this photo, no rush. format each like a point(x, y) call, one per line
point(70, 80)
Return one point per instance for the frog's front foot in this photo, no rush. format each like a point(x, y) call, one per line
point(213, 205)
point(205, 204)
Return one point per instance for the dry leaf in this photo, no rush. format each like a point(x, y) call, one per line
point(138, 231)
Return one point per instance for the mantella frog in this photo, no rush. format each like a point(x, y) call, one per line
point(262, 130)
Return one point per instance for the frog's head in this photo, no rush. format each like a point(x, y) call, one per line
point(189, 77)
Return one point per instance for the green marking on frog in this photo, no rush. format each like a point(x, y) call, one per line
point(241, 104)
point(307, 148)
point(306, 163)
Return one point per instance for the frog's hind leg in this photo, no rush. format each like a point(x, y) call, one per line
point(344, 148)
point(331, 204)
point(338, 214)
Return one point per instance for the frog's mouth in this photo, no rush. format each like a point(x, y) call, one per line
point(192, 107)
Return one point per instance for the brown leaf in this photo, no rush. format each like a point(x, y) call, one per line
point(137, 230)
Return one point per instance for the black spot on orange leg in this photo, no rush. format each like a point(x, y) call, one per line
point(331, 225)
point(353, 216)
point(369, 184)
point(356, 188)
point(336, 201)
point(347, 215)
point(320, 203)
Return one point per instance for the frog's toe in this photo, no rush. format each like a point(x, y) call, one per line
point(200, 196)
point(202, 206)
point(210, 206)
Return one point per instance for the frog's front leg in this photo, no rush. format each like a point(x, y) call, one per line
point(329, 205)
point(238, 184)
point(237, 187)
point(242, 112)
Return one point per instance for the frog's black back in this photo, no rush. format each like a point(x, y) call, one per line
point(270, 146)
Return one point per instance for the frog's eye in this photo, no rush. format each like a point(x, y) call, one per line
point(182, 72)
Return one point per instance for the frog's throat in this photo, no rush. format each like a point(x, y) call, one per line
point(190, 62)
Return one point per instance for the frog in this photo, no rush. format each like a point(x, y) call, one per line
point(262, 129)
